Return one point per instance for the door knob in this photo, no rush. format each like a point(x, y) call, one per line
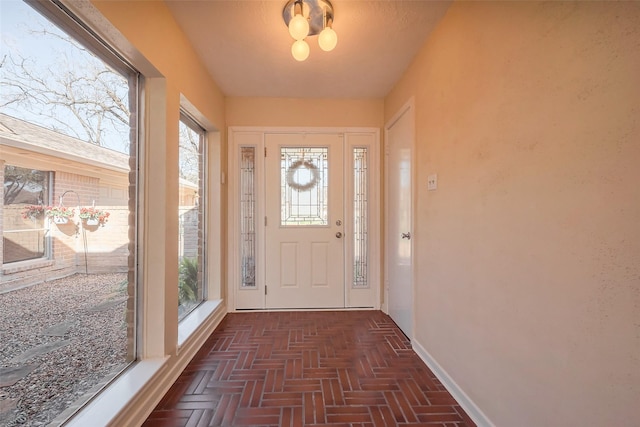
point(406, 236)
point(339, 234)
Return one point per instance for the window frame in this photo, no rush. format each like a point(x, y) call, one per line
point(163, 344)
point(62, 13)
point(202, 203)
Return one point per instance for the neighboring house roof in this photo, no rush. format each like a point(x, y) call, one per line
point(187, 184)
point(24, 135)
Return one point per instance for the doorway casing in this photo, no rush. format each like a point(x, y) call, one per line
point(241, 139)
point(399, 295)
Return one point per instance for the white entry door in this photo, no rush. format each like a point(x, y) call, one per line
point(399, 220)
point(304, 265)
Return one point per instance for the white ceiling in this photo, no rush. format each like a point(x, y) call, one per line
point(247, 49)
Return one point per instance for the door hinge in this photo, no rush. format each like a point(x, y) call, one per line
point(265, 289)
point(265, 221)
point(265, 151)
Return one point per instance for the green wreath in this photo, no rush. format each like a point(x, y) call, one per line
point(315, 175)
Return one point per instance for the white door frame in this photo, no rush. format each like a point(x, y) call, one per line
point(243, 136)
point(407, 108)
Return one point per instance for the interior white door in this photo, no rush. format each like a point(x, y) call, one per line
point(304, 226)
point(399, 220)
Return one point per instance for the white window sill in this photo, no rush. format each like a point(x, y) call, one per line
point(106, 405)
point(20, 266)
point(197, 317)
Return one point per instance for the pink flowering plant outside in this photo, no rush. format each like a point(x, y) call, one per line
point(59, 212)
point(33, 212)
point(94, 214)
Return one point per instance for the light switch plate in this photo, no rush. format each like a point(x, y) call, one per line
point(432, 182)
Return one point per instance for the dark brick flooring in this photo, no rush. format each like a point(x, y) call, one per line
point(346, 368)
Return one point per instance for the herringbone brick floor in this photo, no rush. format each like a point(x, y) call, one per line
point(346, 368)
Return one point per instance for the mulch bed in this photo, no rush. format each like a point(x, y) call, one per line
point(61, 341)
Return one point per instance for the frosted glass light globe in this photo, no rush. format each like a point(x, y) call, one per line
point(300, 50)
point(298, 27)
point(328, 39)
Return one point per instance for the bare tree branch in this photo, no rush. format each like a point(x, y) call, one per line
point(80, 97)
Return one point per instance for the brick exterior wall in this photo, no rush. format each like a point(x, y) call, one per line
point(106, 248)
point(73, 247)
point(76, 247)
point(188, 240)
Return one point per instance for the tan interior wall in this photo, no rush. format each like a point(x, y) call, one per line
point(298, 112)
point(527, 268)
point(150, 27)
point(178, 72)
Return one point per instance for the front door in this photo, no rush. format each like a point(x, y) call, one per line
point(304, 222)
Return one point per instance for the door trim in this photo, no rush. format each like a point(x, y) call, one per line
point(407, 108)
point(251, 136)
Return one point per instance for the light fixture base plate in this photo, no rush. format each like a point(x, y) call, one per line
point(315, 12)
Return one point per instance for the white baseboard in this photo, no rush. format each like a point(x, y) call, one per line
point(474, 412)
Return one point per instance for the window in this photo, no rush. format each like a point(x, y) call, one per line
point(26, 192)
point(360, 217)
point(248, 217)
point(191, 226)
point(304, 186)
point(69, 145)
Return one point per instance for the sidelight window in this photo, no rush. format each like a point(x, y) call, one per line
point(360, 217)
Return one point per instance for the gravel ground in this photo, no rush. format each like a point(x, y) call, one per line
point(95, 349)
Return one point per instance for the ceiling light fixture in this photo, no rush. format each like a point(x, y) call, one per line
point(309, 18)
